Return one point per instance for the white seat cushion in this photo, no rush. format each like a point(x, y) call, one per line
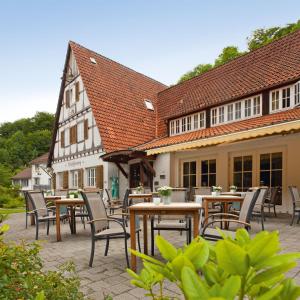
point(170, 224)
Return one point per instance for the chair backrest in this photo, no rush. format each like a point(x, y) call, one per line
point(248, 205)
point(261, 196)
point(273, 194)
point(38, 203)
point(108, 196)
point(96, 210)
point(179, 196)
point(28, 202)
point(295, 195)
point(205, 190)
point(126, 200)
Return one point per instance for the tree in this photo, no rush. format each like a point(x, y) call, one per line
point(5, 175)
point(198, 70)
point(260, 37)
point(263, 36)
point(228, 54)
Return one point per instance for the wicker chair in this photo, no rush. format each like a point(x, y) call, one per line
point(270, 201)
point(100, 225)
point(242, 220)
point(258, 210)
point(41, 211)
point(173, 223)
point(296, 203)
point(28, 207)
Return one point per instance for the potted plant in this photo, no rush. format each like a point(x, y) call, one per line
point(165, 193)
point(73, 195)
point(140, 188)
point(233, 188)
point(217, 190)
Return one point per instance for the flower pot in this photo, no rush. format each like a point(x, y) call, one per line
point(166, 200)
point(232, 191)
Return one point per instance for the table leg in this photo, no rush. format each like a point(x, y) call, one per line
point(145, 234)
point(132, 240)
point(196, 224)
point(58, 236)
point(226, 225)
point(205, 211)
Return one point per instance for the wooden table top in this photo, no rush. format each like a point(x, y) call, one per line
point(164, 207)
point(220, 197)
point(52, 197)
point(70, 201)
point(140, 195)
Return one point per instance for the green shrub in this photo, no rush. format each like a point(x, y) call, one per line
point(21, 275)
point(243, 268)
point(10, 197)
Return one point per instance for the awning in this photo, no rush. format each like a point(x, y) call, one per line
point(282, 128)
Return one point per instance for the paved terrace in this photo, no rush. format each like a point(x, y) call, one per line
point(108, 275)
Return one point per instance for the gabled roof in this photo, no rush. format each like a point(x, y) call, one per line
point(225, 129)
point(42, 159)
point(274, 64)
point(24, 174)
point(117, 96)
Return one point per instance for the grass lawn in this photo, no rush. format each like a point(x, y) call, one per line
point(7, 211)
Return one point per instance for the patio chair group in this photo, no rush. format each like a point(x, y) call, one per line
point(100, 216)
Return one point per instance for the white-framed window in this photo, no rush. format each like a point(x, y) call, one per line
point(183, 125)
point(286, 97)
point(172, 127)
point(196, 124)
point(67, 137)
point(80, 132)
point(214, 116)
point(189, 123)
point(177, 126)
point(221, 114)
point(74, 179)
point(238, 110)
point(91, 177)
point(248, 108)
point(202, 119)
point(297, 93)
point(275, 100)
point(230, 112)
point(256, 106)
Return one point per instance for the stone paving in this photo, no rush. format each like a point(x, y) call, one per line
point(108, 275)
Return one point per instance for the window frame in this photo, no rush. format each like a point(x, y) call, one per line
point(208, 173)
point(281, 98)
point(189, 174)
point(91, 178)
point(242, 172)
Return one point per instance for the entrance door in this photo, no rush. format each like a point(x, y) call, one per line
point(135, 175)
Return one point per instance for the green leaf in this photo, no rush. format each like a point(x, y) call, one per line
point(138, 284)
point(290, 290)
point(242, 237)
point(133, 274)
point(4, 228)
point(178, 263)
point(40, 296)
point(232, 258)
point(167, 250)
point(193, 287)
point(278, 260)
point(197, 253)
point(271, 293)
point(146, 257)
point(272, 272)
point(231, 287)
point(263, 246)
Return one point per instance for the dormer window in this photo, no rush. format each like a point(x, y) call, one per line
point(238, 110)
point(286, 97)
point(297, 93)
point(149, 105)
point(187, 123)
point(275, 100)
point(248, 108)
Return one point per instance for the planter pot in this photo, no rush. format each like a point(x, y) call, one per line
point(166, 200)
point(216, 193)
point(232, 191)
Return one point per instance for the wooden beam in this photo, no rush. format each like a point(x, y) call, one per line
point(121, 169)
point(148, 165)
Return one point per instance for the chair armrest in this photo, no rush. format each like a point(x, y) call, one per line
point(220, 214)
point(225, 220)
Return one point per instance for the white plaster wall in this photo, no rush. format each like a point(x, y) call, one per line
point(41, 174)
point(162, 168)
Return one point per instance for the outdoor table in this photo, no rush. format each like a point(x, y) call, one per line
point(147, 209)
point(238, 194)
point(146, 197)
point(72, 203)
point(225, 200)
point(51, 198)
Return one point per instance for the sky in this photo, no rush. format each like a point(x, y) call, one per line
point(160, 38)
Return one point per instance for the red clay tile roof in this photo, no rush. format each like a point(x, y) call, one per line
point(267, 67)
point(116, 94)
point(40, 159)
point(244, 125)
point(24, 174)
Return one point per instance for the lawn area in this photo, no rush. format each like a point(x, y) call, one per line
point(7, 211)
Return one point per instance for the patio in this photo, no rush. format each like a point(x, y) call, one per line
point(108, 275)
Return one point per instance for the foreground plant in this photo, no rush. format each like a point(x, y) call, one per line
point(22, 277)
point(240, 268)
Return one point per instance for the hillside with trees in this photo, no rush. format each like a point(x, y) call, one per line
point(21, 141)
point(260, 37)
